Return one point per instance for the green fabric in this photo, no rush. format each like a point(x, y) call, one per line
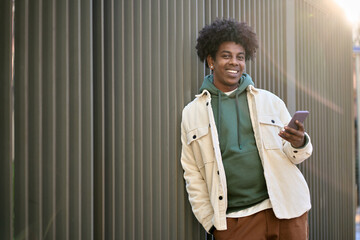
point(244, 172)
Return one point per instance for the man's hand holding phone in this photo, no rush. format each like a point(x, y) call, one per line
point(295, 131)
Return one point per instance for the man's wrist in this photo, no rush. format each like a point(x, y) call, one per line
point(305, 142)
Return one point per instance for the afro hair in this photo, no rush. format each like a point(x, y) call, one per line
point(226, 30)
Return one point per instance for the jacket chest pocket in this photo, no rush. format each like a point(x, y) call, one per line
point(200, 140)
point(270, 126)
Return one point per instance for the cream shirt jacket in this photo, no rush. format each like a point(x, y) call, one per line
point(204, 171)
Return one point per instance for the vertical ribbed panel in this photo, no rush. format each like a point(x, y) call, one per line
point(21, 179)
point(99, 89)
point(152, 100)
point(150, 72)
point(148, 75)
point(144, 96)
point(6, 123)
point(53, 120)
point(268, 70)
point(324, 87)
point(48, 126)
point(99, 142)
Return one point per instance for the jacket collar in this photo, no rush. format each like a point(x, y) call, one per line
point(204, 92)
point(252, 89)
point(249, 88)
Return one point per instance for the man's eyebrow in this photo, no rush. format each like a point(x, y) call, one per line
point(226, 51)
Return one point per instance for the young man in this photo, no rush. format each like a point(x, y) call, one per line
point(238, 154)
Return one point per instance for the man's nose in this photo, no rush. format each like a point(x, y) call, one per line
point(233, 61)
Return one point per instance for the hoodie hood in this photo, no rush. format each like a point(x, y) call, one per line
point(208, 84)
point(221, 101)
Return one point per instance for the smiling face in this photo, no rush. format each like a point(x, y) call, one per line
point(228, 66)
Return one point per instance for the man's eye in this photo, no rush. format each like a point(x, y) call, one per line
point(241, 57)
point(226, 56)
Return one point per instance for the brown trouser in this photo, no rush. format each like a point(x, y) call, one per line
point(264, 226)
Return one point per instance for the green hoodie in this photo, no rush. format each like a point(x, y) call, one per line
point(244, 172)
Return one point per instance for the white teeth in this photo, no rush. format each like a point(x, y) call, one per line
point(232, 71)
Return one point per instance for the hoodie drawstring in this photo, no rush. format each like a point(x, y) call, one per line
point(219, 113)
point(238, 119)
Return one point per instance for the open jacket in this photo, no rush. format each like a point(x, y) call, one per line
point(204, 171)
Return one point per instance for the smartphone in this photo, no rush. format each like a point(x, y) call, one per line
point(300, 116)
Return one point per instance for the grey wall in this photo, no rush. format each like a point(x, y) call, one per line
point(6, 125)
point(324, 85)
point(98, 92)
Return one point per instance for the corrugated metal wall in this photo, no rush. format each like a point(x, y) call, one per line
point(324, 86)
point(54, 132)
point(99, 88)
point(6, 125)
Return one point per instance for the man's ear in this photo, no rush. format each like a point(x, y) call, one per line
point(210, 61)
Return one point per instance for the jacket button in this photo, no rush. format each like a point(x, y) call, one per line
point(294, 157)
point(218, 172)
point(220, 197)
point(272, 121)
point(194, 136)
point(207, 103)
point(295, 151)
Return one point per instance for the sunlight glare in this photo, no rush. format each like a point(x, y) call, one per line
point(351, 9)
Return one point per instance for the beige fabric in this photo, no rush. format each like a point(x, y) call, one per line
point(204, 172)
point(266, 204)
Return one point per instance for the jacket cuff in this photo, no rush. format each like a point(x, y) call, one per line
point(298, 155)
point(207, 223)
